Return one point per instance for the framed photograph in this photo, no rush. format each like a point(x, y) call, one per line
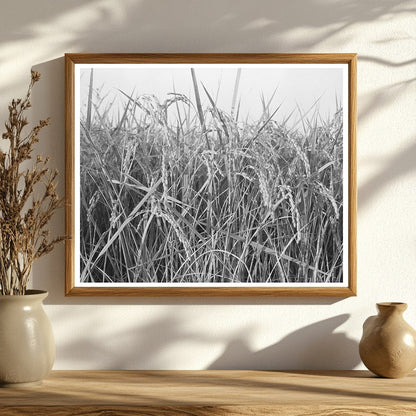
point(211, 174)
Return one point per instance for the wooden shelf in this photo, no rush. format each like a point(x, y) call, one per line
point(202, 393)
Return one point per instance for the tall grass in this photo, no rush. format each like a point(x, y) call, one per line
point(175, 192)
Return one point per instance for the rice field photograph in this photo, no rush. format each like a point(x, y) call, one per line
point(211, 175)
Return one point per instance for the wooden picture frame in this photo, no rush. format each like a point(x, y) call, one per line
point(175, 195)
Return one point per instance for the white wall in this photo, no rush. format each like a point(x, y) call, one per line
point(199, 333)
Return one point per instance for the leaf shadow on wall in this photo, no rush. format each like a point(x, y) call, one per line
point(235, 28)
point(403, 162)
point(198, 26)
point(313, 347)
point(142, 347)
point(398, 166)
point(150, 23)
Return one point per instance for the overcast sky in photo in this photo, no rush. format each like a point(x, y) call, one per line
point(296, 86)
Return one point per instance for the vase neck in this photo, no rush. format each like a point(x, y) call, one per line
point(391, 308)
point(31, 296)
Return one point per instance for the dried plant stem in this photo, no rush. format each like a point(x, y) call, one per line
point(23, 218)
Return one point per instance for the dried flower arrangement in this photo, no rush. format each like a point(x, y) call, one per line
point(28, 199)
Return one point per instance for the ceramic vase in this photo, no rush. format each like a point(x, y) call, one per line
point(388, 345)
point(27, 347)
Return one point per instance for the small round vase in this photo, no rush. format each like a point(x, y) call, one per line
point(27, 347)
point(388, 345)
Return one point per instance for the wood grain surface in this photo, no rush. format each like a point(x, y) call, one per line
point(202, 393)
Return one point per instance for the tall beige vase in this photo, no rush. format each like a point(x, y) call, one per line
point(388, 344)
point(27, 347)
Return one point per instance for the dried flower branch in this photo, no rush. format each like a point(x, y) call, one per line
point(23, 218)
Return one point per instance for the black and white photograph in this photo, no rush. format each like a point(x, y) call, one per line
point(211, 175)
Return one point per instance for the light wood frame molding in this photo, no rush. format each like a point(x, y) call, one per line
point(71, 60)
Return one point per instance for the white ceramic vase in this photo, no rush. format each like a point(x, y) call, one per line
point(27, 347)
